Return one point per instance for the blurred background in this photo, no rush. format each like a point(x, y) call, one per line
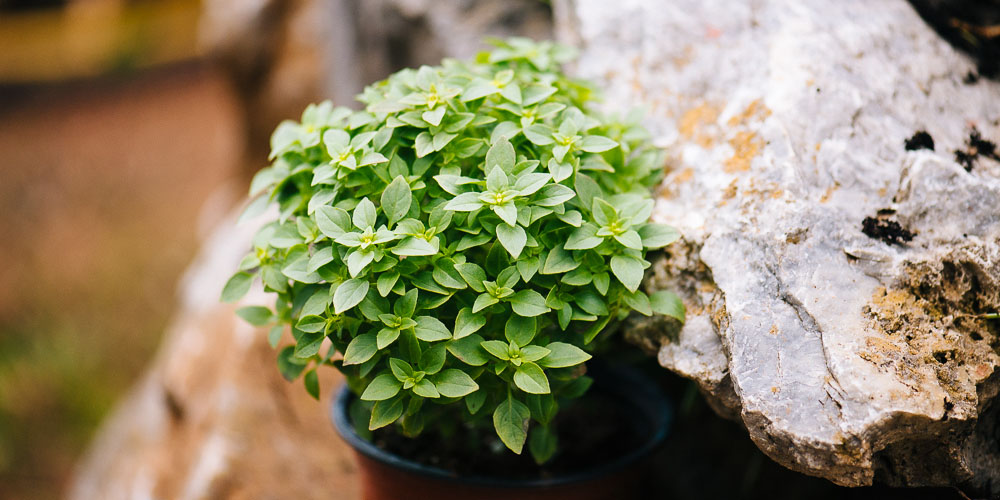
point(128, 128)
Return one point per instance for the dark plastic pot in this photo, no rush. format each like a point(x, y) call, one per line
point(387, 476)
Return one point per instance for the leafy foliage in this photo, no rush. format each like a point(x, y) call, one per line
point(463, 238)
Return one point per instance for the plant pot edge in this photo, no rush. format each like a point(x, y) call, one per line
point(643, 394)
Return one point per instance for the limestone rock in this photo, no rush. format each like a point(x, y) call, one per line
point(846, 356)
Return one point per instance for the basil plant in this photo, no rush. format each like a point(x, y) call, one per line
point(455, 247)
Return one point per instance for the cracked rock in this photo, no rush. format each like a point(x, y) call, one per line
point(846, 357)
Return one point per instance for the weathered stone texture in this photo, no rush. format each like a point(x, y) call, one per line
point(845, 356)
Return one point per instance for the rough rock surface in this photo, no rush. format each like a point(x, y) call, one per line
point(849, 357)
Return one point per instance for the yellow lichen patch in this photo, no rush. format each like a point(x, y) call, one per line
point(756, 111)
point(693, 122)
point(881, 344)
point(829, 192)
point(746, 146)
point(773, 330)
point(683, 176)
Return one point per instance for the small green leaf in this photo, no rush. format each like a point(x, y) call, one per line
point(520, 330)
point(497, 348)
point(667, 303)
point(528, 303)
point(530, 378)
point(386, 337)
point(237, 286)
point(431, 329)
point(467, 323)
point(432, 360)
point(381, 388)
point(542, 444)
point(559, 261)
point(454, 383)
point(311, 381)
point(425, 388)
point(361, 349)
point(587, 189)
point(396, 199)
point(658, 235)
point(385, 413)
point(468, 350)
point(364, 214)
point(501, 154)
point(513, 238)
point(483, 301)
point(386, 281)
point(629, 270)
point(255, 315)
point(349, 294)
point(311, 323)
point(289, 367)
point(597, 144)
point(274, 336)
point(563, 355)
point(510, 419)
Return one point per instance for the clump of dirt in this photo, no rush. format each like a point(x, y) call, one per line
point(920, 140)
point(975, 147)
point(883, 227)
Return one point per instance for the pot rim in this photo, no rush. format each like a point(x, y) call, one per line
point(642, 393)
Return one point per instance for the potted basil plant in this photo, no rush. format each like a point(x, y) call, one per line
point(457, 249)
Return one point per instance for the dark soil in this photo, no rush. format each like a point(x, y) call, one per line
point(590, 434)
point(920, 140)
point(886, 229)
point(972, 26)
point(975, 147)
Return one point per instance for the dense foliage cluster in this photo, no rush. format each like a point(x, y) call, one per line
point(460, 242)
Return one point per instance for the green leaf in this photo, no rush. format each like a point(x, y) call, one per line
point(465, 202)
point(333, 222)
point(667, 303)
point(467, 323)
point(483, 301)
point(520, 330)
point(542, 444)
point(497, 348)
point(587, 189)
point(473, 275)
point(528, 303)
point(274, 335)
point(386, 337)
point(407, 304)
point(311, 323)
point(559, 261)
point(425, 388)
point(424, 144)
point(312, 383)
point(658, 235)
point(237, 286)
point(432, 360)
point(361, 349)
point(630, 239)
point(468, 350)
point(530, 378)
point(552, 195)
point(513, 238)
point(563, 355)
point(255, 315)
point(385, 413)
point(475, 401)
point(414, 247)
point(396, 199)
point(431, 329)
point(381, 388)
point(591, 302)
point(349, 294)
point(510, 419)
point(584, 238)
point(501, 154)
point(629, 270)
point(289, 367)
point(454, 383)
point(364, 214)
point(639, 302)
point(539, 134)
point(386, 281)
point(596, 144)
point(527, 268)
